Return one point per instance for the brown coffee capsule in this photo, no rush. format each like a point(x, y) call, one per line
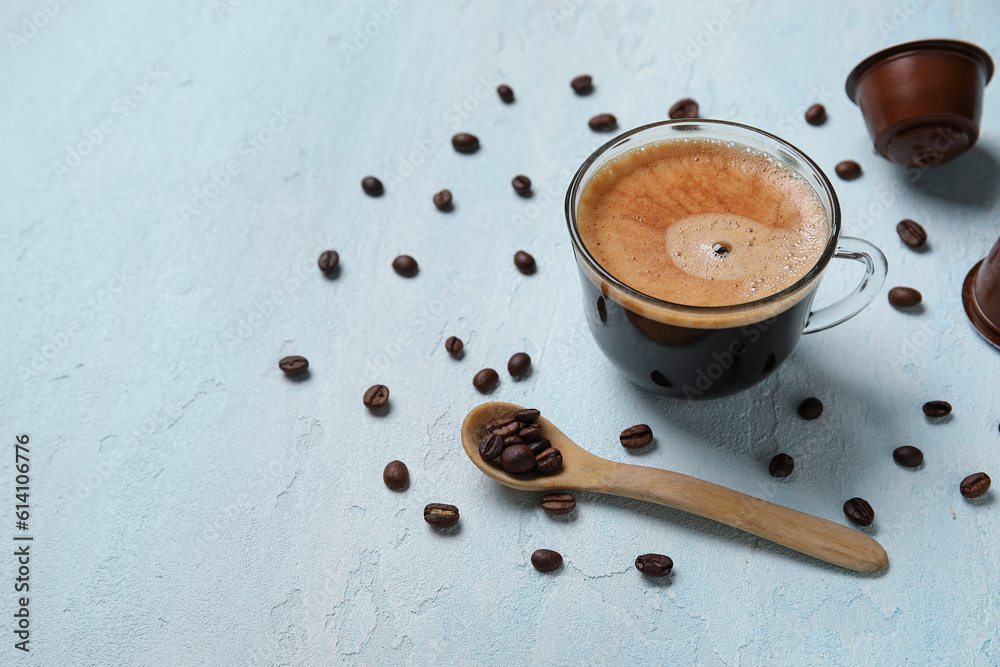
point(981, 296)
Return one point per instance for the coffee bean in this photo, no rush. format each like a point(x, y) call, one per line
point(506, 93)
point(582, 85)
point(811, 408)
point(937, 409)
point(485, 380)
point(396, 476)
point(454, 345)
point(531, 432)
point(512, 440)
point(465, 143)
point(558, 503)
point(654, 565)
point(781, 465)
point(443, 200)
point(975, 485)
point(912, 233)
point(636, 436)
point(686, 108)
point(908, 456)
point(524, 262)
point(848, 170)
point(517, 459)
point(504, 426)
point(816, 114)
point(904, 297)
point(519, 364)
point(491, 446)
point(405, 266)
point(546, 560)
point(328, 261)
point(522, 185)
point(537, 446)
point(527, 415)
point(604, 122)
point(440, 515)
point(372, 186)
point(376, 397)
point(294, 365)
point(548, 461)
point(859, 511)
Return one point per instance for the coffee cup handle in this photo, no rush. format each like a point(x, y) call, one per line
point(876, 268)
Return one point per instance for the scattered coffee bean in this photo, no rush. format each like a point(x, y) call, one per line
point(908, 456)
point(328, 261)
point(636, 436)
point(937, 409)
point(781, 465)
point(546, 560)
point(654, 565)
point(527, 415)
point(904, 297)
point(376, 397)
point(440, 515)
point(491, 446)
point(912, 233)
point(859, 511)
point(519, 364)
point(582, 85)
point(465, 143)
point(811, 408)
point(975, 485)
point(537, 446)
point(454, 345)
point(548, 461)
point(405, 266)
point(816, 114)
point(443, 200)
point(524, 262)
point(396, 476)
point(372, 186)
point(531, 432)
point(517, 459)
point(604, 122)
point(686, 108)
point(506, 93)
point(848, 170)
point(294, 365)
point(558, 503)
point(485, 380)
point(504, 426)
point(522, 185)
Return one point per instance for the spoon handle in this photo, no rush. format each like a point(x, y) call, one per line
point(819, 538)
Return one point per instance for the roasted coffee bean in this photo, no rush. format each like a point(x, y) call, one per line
point(396, 476)
point(811, 408)
point(911, 233)
point(548, 461)
point(294, 365)
point(537, 446)
point(405, 266)
point(859, 511)
point(848, 170)
point(937, 409)
point(454, 345)
point(465, 143)
point(604, 122)
point(975, 485)
point(816, 114)
point(491, 446)
point(485, 380)
point(527, 415)
point(558, 503)
point(328, 261)
point(512, 440)
point(654, 565)
point(376, 397)
point(524, 262)
point(546, 560)
point(517, 459)
point(504, 426)
point(781, 465)
point(440, 515)
point(686, 108)
point(519, 364)
point(636, 436)
point(372, 186)
point(908, 456)
point(443, 200)
point(904, 297)
point(506, 93)
point(522, 185)
point(531, 432)
point(582, 85)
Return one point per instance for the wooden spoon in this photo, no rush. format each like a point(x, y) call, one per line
point(583, 471)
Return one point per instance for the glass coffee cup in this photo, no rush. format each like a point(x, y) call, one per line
point(710, 351)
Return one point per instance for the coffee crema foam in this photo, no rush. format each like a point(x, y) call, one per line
point(702, 222)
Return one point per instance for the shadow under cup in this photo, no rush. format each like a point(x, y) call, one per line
point(709, 352)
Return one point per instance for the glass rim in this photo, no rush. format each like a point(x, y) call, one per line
point(814, 272)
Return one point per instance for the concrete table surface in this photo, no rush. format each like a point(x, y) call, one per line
point(171, 173)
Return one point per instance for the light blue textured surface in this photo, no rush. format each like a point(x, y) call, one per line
point(192, 506)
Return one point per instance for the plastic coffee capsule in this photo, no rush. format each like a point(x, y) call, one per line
point(981, 296)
